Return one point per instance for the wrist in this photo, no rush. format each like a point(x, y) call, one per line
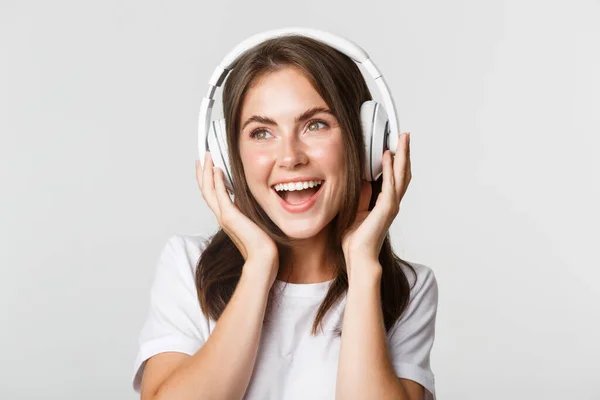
point(260, 273)
point(366, 271)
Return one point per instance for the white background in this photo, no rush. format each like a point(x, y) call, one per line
point(98, 122)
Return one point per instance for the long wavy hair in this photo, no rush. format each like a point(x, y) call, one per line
point(340, 83)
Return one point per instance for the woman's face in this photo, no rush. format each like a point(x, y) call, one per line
point(289, 141)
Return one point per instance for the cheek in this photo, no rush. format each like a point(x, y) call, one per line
point(330, 155)
point(257, 165)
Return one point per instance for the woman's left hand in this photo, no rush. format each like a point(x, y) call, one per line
point(362, 242)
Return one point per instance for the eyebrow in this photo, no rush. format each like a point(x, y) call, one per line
point(302, 117)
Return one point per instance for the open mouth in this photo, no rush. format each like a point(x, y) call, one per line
point(297, 193)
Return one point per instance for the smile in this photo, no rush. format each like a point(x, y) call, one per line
point(298, 197)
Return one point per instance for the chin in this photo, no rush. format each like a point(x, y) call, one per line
point(301, 229)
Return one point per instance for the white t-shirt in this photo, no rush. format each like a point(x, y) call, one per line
point(291, 363)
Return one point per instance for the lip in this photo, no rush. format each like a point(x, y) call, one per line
point(302, 207)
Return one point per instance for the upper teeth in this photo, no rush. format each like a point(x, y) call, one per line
point(296, 185)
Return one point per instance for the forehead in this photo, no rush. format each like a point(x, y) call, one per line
point(282, 93)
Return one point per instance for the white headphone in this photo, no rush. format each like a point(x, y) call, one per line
point(380, 129)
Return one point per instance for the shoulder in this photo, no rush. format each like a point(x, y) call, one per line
point(191, 244)
point(175, 321)
point(418, 318)
point(173, 294)
point(419, 277)
point(177, 263)
point(411, 338)
point(422, 282)
point(185, 249)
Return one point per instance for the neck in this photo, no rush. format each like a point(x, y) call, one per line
point(307, 261)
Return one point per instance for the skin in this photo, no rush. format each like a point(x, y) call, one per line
point(285, 148)
point(288, 148)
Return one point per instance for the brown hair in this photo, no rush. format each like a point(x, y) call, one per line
point(340, 83)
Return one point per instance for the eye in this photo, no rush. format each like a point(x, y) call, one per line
point(314, 124)
point(259, 134)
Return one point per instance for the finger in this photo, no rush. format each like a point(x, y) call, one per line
point(199, 174)
point(232, 220)
point(207, 167)
point(221, 192)
point(389, 188)
point(389, 181)
point(408, 176)
point(208, 185)
point(400, 164)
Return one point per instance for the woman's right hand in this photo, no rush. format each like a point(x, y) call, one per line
point(254, 244)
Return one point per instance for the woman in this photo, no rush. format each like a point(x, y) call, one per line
point(303, 252)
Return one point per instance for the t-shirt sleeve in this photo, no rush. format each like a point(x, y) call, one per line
point(175, 322)
point(410, 340)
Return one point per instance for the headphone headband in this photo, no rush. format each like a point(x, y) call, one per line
point(343, 45)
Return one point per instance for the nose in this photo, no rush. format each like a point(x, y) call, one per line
point(291, 152)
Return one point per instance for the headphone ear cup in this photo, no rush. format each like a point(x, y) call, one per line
point(374, 123)
point(217, 142)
